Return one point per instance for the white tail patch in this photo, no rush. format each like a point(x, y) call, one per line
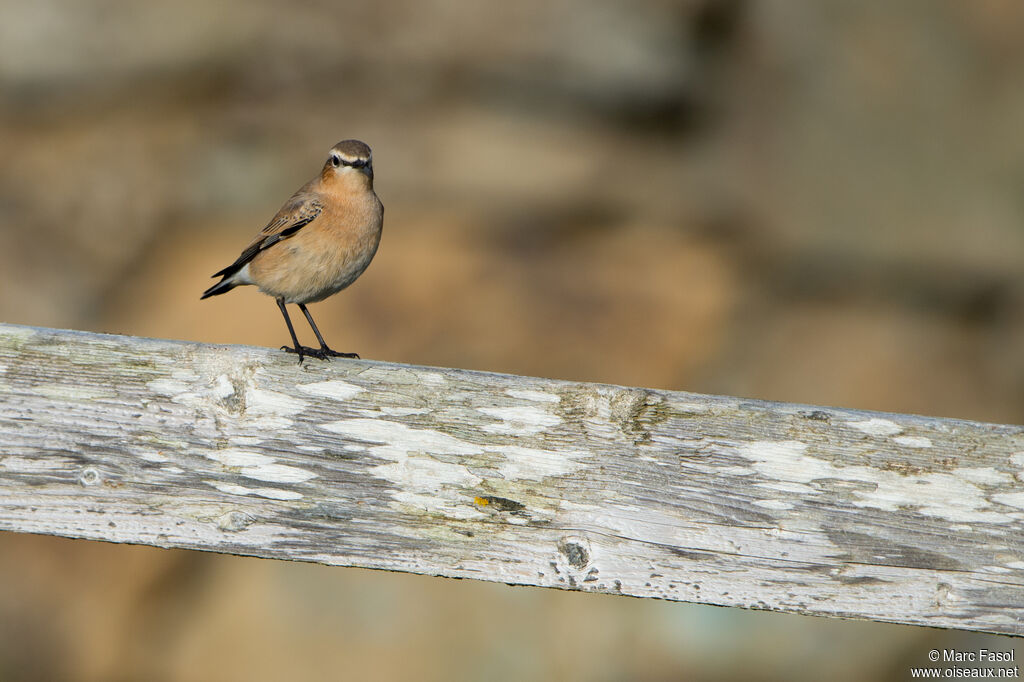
point(241, 277)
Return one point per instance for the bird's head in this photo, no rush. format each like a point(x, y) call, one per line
point(349, 160)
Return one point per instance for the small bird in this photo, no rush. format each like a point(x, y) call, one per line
point(320, 241)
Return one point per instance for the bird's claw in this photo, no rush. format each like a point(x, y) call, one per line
point(324, 353)
point(329, 353)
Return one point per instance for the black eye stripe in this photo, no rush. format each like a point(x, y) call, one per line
point(354, 163)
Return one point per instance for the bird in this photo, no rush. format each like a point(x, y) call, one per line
point(320, 241)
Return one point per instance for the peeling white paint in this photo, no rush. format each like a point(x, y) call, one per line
point(877, 427)
point(334, 389)
point(179, 383)
point(424, 473)
point(773, 504)
point(936, 494)
point(1010, 499)
point(913, 441)
point(736, 471)
point(182, 390)
point(521, 420)
point(277, 473)
point(786, 461)
point(169, 387)
point(262, 401)
point(260, 467)
point(534, 464)
point(184, 374)
point(983, 475)
point(535, 396)
point(943, 495)
point(398, 435)
point(239, 458)
point(270, 493)
point(460, 510)
point(423, 481)
point(245, 440)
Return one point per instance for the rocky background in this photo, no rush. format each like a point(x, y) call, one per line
point(819, 202)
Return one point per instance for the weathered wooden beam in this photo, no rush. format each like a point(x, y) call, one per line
point(513, 479)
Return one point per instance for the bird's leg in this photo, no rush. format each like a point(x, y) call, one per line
point(301, 350)
point(324, 352)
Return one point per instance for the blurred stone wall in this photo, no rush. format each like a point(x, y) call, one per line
point(817, 202)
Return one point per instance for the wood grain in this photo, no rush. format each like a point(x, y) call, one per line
point(513, 479)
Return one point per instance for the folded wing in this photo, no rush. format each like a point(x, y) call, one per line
point(302, 209)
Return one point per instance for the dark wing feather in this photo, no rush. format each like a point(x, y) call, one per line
point(302, 209)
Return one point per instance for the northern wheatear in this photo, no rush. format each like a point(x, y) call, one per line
point(320, 241)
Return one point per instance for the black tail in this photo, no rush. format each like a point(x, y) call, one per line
point(221, 287)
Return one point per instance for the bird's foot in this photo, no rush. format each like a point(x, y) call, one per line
point(323, 353)
point(330, 353)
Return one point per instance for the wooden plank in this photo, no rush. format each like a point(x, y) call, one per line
point(513, 479)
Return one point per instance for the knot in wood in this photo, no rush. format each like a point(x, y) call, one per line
point(90, 476)
point(576, 551)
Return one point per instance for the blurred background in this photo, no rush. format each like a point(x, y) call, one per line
point(817, 202)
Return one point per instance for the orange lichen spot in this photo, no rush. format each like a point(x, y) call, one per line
point(483, 502)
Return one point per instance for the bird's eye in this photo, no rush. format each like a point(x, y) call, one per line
point(335, 161)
